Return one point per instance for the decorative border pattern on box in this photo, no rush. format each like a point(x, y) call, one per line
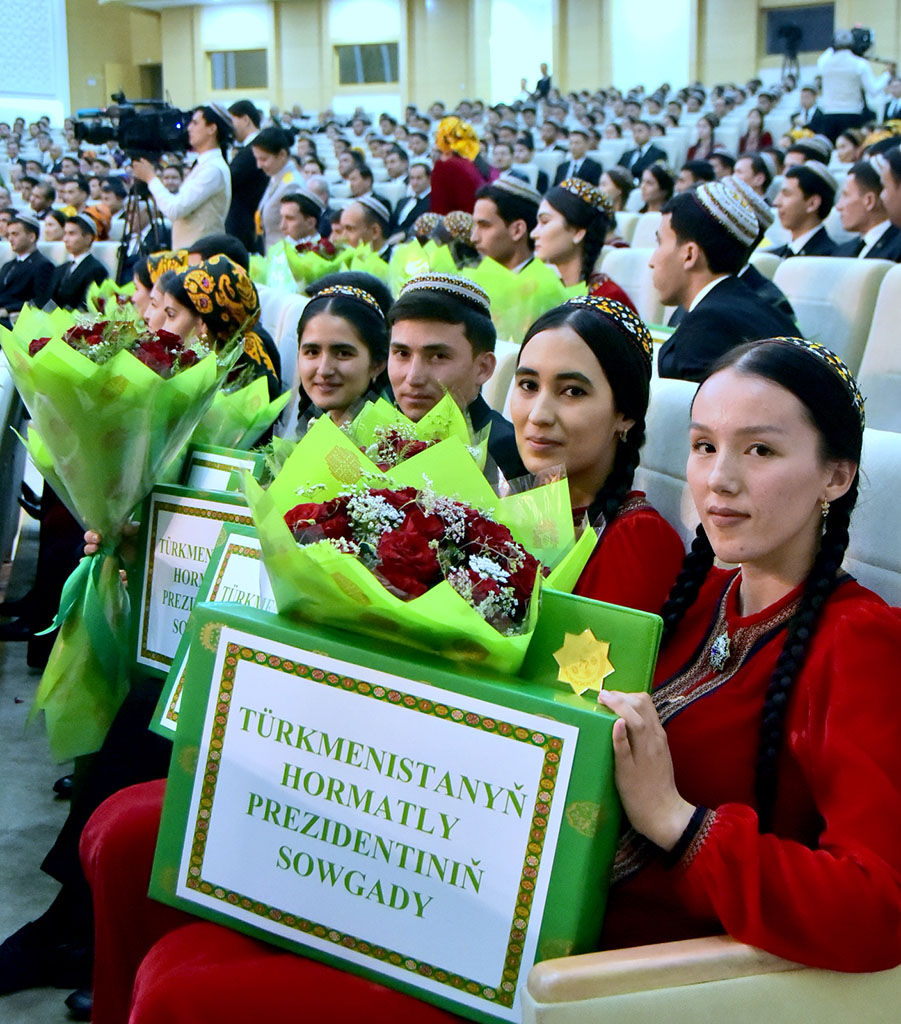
point(503, 993)
point(190, 510)
point(232, 549)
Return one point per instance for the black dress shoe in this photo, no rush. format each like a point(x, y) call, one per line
point(30, 958)
point(81, 1004)
point(18, 629)
point(63, 787)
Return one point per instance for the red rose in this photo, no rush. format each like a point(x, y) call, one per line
point(170, 340)
point(406, 562)
point(484, 532)
point(430, 527)
point(523, 580)
point(35, 346)
point(187, 358)
point(482, 586)
point(396, 499)
point(154, 354)
point(329, 519)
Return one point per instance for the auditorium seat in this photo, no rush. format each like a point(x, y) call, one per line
point(629, 269)
point(108, 254)
point(54, 251)
point(549, 161)
point(626, 223)
point(6, 253)
point(880, 368)
point(766, 263)
point(661, 472)
point(497, 388)
point(392, 191)
point(645, 236)
point(874, 551)
point(833, 299)
point(713, 979)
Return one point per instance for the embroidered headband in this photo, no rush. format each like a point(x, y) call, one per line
point(733, 213)
point(835, 364)
point(351, 293)
point(628, 323)
point(451, 284)
point(587, 193)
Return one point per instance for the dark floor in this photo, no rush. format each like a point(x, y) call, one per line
point(30, 815)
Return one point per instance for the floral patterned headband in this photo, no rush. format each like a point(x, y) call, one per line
point(835, 364)
point(351, 293)
point(628, 323)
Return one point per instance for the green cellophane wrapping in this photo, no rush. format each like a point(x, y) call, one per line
point(304, 267)
point(316, 582)
point(365, 261)
point(443, 420)
point(107, 291)
point(517, 300)
point(236, 419)
point(101, 435)
point(412, 259)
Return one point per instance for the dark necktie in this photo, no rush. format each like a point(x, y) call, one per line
point(858, 249)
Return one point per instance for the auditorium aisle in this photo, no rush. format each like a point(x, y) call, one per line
point(30, 815)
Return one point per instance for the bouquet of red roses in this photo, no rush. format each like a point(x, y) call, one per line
point(413, 540)
point(111, 405)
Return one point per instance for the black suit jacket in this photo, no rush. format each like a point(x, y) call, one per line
point(764, 288)
point(68, 291)
point(148, 246)
point(887, 248)
point(653, 155)
point(24, 281)
point(501, 440)
point(819, 244)
point(420, 207)
point(729, 315)
point(590, 171)
point(248, 185)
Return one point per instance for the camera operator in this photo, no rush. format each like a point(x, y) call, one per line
point(201, 204)
point(847, 81)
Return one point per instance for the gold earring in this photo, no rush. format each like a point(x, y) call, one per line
point(824, 508)
point(623, 436)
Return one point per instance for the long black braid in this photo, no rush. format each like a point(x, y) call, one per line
point(820, 583)
point(828, 396)
point(610, 497)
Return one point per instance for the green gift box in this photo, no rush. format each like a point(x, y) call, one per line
point(431, 825)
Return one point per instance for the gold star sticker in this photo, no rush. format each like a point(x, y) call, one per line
point(583, 661)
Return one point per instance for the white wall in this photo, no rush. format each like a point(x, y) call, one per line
point(652, 42)
point(34, 68)
point(236, 27)
point(521, 39)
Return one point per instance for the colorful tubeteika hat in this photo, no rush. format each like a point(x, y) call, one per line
point(625, 320)
point(450, 284)
point(727, 207)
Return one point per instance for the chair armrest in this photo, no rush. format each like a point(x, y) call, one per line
point(641, 968)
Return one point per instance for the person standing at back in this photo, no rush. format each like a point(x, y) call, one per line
point(847, 81)
point(248, 181)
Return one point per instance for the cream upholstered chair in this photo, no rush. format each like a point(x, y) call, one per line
point(880, 368)
point(285, 337)
point(645, 236)
point(661, 472)
point(108, 254)
point(626, 223)
point(497, 388)
point(54, 251)
point(833, 299)
point(766, 263)
point(6, 253)
point(629, 269)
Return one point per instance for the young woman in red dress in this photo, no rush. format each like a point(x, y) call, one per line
point(580, 401)
point(574, 219)
point(762, 779)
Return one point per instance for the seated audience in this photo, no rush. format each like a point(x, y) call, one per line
point(863, 213)
point(503, 220)
point(693, 172)
point(70, 282)
point(803, 203)
point(409, 208)
point(27, 277)
point(657, 185)
point(579, 165)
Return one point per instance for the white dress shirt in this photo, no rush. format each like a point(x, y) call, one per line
point(872, 237)
point(844, 76)
point(201, 204)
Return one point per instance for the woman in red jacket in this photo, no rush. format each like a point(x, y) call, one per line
point(455, 178)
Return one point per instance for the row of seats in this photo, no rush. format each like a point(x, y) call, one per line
point(106, 252)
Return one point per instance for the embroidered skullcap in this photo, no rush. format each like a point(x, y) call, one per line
point(770, 162)
point(459, 224)
point(822, 172)
point(450, 284)
point(816, 146)
point(587, 193)
point(762, 210)
point(309, 195)
point(375, 206)
point(509, 125)
point(625, 320)
point(27, 218)
point(554, 122)
point(518, 187)
point(222, 295)
point(86, 221)
point(426, 223)
point(835, 364)
point(734, 214)
point(161, 262)
point(352, 293)
point(221, 113)
point(580, 130)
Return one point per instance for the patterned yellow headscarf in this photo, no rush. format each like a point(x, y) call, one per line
point(161, 262)
point(456, 136)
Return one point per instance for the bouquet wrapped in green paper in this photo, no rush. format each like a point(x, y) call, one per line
point(413, 259)
point(283, 259)
point(111, 404)
point(239, 415)
point(100, 295)
point(433, 519)
point(517, 300)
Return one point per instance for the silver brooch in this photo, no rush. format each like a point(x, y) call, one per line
point(719, 651)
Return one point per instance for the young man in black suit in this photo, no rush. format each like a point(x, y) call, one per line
point(863, 212)
point(70, 282)
point(645, 152)
point(702, 244)
point(248, 181)
point(26, 278)
point(803, 203)
point(579, 165)
point(410, 208)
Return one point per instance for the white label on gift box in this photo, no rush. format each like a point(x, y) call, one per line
point(241, 578)
point(182, 533)
point(379, 819)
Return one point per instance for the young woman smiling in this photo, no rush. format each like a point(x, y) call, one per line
point(761, 779)
point(579, 401)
